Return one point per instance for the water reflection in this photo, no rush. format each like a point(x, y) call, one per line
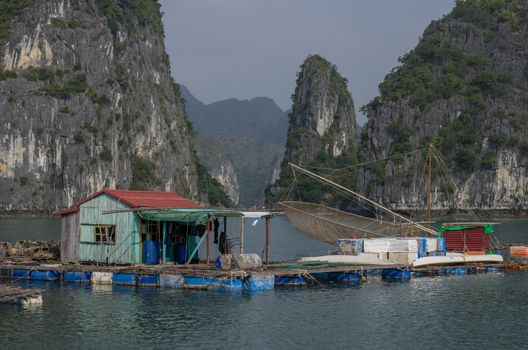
point(474, 311)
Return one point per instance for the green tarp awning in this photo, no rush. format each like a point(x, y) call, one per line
point(188, 216)
point(488, 228)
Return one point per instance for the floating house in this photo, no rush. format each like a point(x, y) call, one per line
point(142, 227)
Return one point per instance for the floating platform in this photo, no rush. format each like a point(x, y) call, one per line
point(207, 277)
point(20, 296)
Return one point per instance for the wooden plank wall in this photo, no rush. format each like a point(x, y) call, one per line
point(70, 238)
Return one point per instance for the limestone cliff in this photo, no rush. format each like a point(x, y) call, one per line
point(463, 88)
point(225, 174)
point(322, 124)
point(87, 101)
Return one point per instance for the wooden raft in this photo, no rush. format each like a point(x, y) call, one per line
point(16, 295)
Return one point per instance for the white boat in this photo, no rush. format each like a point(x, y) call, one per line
point(490, 258)
point(349, 259)
point(438, 260)
point(457, 258)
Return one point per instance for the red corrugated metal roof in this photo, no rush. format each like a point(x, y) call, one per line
point(137, 199)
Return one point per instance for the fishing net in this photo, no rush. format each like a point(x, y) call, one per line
point(327, 224)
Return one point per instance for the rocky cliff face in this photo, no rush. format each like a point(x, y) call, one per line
point(225, 174)
point(87, 101)
point(322, 123)
point(464, 89)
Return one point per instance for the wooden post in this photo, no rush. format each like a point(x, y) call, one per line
point(267, 238)
point(242, 235)
point(207, 230)
point(429, 184)
point(164, 249)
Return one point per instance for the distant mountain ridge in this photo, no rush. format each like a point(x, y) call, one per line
point(259, 118)
point(240, 142)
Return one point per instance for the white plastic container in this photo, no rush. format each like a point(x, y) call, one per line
point(403, 245)
point(404, 258)
point(432, 244)
point(376, 245)
point(102, 278)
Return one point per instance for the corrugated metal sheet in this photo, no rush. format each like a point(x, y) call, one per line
point(152, 199)
point(137, 199)
point(126, 247)
point(472, 239)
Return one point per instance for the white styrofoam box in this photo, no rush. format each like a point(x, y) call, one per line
point(102, 278)
point(431, 244)
point(380, 256)
point(403, 245)
point(376, 245)
point(405, 258)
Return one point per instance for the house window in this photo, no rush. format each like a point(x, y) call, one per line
point(151, 230)
point(104, 234)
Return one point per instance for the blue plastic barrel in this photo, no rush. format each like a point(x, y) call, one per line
point(441, 244)
point(491, 269)
point(150, 252)
point(457, 271)
point(128, 279)
point(395, 275)
point(344, 277)
point(422, 247)
point(148, 281)
point(289, 281)
point(181, 253)
point(45, 275)
point(78, 277)
point(19, 273)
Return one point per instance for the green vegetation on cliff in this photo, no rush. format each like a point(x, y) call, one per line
point(146, 12)
point(437, 68)
point(10, 9)
point(463, 88)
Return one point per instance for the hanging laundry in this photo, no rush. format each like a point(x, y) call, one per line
point(216, 225)
point(222, 247)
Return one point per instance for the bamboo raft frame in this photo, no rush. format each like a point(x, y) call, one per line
point(208, 270)
point(17, 295)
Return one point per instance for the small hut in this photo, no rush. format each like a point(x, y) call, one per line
point(141, 227)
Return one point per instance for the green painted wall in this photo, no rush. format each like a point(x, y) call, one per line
point(125, 250)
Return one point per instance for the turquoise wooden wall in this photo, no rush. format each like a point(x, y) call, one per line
point(125, 250)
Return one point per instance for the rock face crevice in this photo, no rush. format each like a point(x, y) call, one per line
point(225, 174)
point(87, 102)
point(464, 89)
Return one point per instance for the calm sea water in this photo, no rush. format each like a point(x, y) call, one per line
point(486, 311)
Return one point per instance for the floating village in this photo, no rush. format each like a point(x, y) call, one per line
point(162, 240)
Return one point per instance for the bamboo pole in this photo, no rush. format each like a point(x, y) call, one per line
point(242, 235)
point(267, 238)
point(207, 230)
point(429, 183)
point(377, 205)
point(163, 242)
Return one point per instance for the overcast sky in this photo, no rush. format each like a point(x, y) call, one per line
point(246, 48)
